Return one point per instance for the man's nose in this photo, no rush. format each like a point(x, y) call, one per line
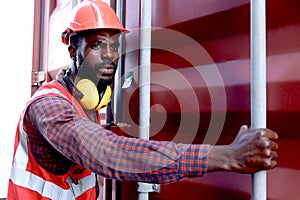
point(107, 53)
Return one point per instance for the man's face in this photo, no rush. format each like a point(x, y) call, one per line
point(98, 56)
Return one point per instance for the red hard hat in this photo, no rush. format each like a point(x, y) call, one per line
point(92, 14)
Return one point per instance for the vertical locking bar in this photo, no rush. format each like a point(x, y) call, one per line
point(145, 72)
point(258, 84)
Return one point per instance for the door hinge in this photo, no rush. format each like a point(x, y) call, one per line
point(38, 77)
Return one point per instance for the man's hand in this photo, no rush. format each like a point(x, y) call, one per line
point(251, 151)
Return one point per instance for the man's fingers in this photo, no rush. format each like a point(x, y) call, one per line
point(270, 164)
point(267, 143)
point(274, 155)
point(273, 145)
point(243, 129)
point(268, 133)
point(268, 153)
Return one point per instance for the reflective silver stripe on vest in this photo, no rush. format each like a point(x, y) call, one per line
point(26, 179)
point(49, 189)
point(47, 91)
point(21, 157)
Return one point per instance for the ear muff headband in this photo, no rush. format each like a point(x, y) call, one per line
point(91, 99)
point(105, 98)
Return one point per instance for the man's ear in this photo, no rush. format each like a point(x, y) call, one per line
point(72, 51)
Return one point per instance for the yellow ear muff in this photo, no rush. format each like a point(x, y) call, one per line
point(89, 90)
point(91, 99)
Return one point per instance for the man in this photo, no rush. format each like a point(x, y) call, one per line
point(60, 145)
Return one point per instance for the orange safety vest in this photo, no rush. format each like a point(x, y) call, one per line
point(30, 181)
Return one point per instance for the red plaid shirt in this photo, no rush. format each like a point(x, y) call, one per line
point(58, 137)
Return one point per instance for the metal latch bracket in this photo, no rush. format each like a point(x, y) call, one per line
point(148, 187)
point(37, 77)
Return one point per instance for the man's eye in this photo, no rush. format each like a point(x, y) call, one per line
point(97, 45)
point(115, 46)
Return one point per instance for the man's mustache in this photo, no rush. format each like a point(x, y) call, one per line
point(105, 63)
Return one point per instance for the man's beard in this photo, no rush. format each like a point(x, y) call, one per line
point(86, 72)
